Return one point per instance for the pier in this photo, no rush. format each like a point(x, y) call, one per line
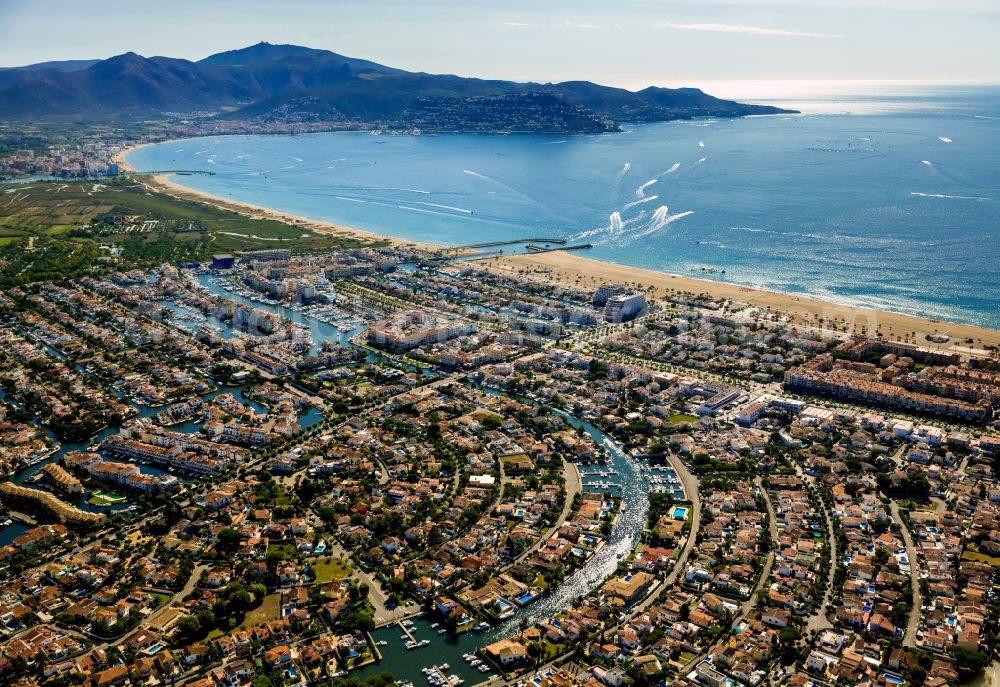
point(492, 244)
point(406, 631)
point(541, 249)
point(170, 171)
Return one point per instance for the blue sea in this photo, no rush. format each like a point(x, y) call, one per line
point(887, 199)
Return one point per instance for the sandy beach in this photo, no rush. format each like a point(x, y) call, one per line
point(574, 269)
point(163, 184)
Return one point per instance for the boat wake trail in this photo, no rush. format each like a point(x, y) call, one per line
point(641, 191)
point(701, 144)
point(445, 207)
point(944, 139)
point(660, 218)
point(647, 199)
point(673, 168)
point(945, 195)
point(480, 176)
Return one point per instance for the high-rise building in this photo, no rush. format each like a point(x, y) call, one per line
point(606, 291)
point(624, 307)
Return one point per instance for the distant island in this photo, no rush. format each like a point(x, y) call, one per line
point(282, 88)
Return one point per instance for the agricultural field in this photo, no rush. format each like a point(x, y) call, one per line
point(53, 229)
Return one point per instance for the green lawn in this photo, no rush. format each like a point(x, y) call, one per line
point(270, 609)
point(336, 569)
point(981, 557)
point(681, 418)
point(287, 551)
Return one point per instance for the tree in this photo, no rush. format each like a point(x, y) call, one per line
point(228, 540)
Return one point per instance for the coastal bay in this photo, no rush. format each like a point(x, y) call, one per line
point(821, 215)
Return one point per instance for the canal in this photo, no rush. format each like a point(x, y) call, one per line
point(621, 476)
point(625, 480)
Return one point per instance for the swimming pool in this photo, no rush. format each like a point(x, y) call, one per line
point(525, 599)
point(680, 513)
point(894, 679)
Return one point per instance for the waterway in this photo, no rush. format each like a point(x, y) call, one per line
point(625, 481)
point(630, 486)
point(307, 418)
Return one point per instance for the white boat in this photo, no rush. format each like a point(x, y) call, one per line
point(445, 666)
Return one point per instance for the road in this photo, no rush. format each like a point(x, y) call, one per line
point(690, 484)
point(765, 573)
point(910, 638)
point(571, 475)
point(818, 620)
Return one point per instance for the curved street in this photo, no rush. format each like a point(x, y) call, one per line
point(910, 638)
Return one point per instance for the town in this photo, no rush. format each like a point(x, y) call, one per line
point(393, 465)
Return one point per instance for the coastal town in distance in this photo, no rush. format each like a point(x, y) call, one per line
point(244, 447)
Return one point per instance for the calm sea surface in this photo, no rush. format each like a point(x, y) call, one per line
point(886, 200)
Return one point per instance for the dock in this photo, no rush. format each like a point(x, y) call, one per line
point(406, 631)
point(22, 518)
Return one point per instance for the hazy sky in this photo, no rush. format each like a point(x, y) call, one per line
point(633, 43)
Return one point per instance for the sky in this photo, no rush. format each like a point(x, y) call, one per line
point(628, 43)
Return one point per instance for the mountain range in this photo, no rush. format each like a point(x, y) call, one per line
point(277, 85)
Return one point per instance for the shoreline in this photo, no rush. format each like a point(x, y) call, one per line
point(164, 184)
point(576, 270)
point(579, 271)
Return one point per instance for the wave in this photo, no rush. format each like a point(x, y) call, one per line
point(257, 174)
point(641, 191)
point(944, 139)
point(615, 224)
point(647, 199)
point(552, 143)
point(945, 195)
point(353, 200)
point(700, 160)
point(445, 207)
point(701, 144)
point(200, 152)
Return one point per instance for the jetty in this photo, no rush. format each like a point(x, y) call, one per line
point(492, 244)
point(185, 172)
point(542, 249)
